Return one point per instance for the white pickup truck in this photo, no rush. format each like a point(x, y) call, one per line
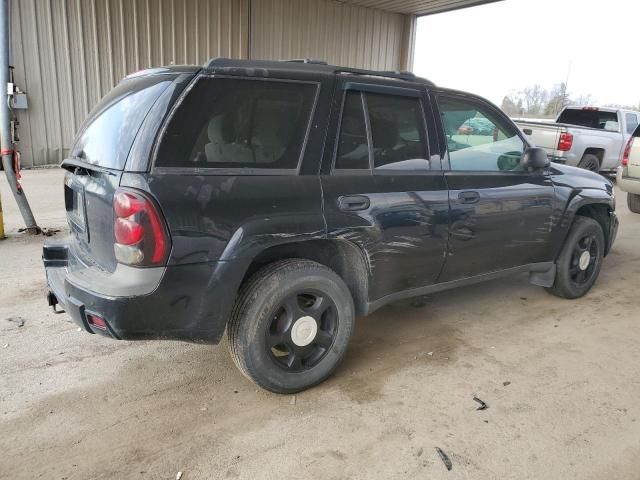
point(588, 137)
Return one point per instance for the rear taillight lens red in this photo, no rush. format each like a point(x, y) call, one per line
point(565, 142)
point(140, 232)
point(127, 232)
point(96, 321)
point(627, 151)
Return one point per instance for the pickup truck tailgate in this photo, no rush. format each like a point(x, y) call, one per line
point(541, 134)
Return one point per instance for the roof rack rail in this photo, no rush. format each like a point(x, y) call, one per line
point(311, 61)
point(320, 65)
point(400, 75)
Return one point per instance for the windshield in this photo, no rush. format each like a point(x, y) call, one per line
point(108, 133)
point(590, 118)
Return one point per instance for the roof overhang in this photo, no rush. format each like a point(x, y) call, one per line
point(418, 7)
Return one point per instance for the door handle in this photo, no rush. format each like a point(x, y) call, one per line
point(353, 203)
point(469, 197)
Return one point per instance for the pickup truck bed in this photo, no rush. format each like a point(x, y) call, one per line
point(595, 143)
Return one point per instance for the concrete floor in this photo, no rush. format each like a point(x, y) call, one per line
point(562, 380)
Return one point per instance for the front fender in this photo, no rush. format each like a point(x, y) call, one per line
point(576, 200)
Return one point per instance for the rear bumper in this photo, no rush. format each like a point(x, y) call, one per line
point(627, 184)
point(187, 302)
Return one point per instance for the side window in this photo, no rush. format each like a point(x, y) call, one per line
point(353, 150)
point(477, 139)
point(632, 122)
point(397, 132)
point(239, 123)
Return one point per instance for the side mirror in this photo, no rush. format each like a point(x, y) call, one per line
point(535, 158)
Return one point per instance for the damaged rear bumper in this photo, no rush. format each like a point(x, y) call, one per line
point(182, 302)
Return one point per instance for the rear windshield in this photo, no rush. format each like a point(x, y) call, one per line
point(590, 118)
point(108, 133)
point(239, 123)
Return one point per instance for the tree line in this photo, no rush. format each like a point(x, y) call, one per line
point(537, 101)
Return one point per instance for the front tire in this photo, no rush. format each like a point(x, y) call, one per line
point(290, 326)
point(633, 202)
point(580, 260)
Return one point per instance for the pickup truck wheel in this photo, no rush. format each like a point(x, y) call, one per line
point(590, 162)
point(580, 260)
point(291, 325)
point(633, 202)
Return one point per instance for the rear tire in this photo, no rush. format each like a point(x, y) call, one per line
point(633, 202)
point(590, 162)
point(580, 260)
point(290, 326)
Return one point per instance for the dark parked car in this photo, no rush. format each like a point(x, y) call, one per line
point(278, 200)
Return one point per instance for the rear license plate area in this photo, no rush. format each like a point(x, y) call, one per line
point(75, 206)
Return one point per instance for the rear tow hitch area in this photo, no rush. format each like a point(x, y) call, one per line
point(52, 300)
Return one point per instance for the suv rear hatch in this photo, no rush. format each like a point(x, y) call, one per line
point(98, 159)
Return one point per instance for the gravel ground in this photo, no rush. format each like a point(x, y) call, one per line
point(561, 379)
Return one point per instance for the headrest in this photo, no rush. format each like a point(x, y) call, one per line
point(214, 130)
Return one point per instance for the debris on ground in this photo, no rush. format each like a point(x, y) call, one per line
point(293, 400)
point(506, 384)
point(47, 232)
point(445, 459)
point(6, 345)
point(19, 321)
point(430, 354)
point(483, 405)
point(179, 476)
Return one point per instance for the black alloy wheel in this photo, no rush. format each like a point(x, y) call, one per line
point(302, 330)
point(583, 260)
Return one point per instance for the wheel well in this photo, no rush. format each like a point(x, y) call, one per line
point(601, 214)
point(341, 256)
point(598, 152)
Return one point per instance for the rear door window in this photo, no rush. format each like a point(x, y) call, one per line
point(397, 132)
point(353, 149)
point(396, 135)
point(239, 123)
point(108, 133)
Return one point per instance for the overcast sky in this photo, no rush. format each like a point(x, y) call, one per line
point(494, 49)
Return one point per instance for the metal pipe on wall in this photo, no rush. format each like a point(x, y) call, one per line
point(6, 142)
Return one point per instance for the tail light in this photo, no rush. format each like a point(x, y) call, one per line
point(565, 142)
point(96, 321)
point(627, 151)
point(141, 237)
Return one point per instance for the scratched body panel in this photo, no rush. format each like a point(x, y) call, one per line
point(402, 234)
point(513, 216)
point(214, 217)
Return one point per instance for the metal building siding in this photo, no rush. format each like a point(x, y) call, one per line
point(339, 33)
point(68, 53)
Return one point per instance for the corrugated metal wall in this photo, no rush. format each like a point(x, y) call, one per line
point(339, 33)
point(68, 53)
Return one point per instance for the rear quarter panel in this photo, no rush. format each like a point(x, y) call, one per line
point(217, 217)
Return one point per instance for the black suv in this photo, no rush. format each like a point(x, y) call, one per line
point(278, 200)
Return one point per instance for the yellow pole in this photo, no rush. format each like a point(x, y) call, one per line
point(1, 221)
